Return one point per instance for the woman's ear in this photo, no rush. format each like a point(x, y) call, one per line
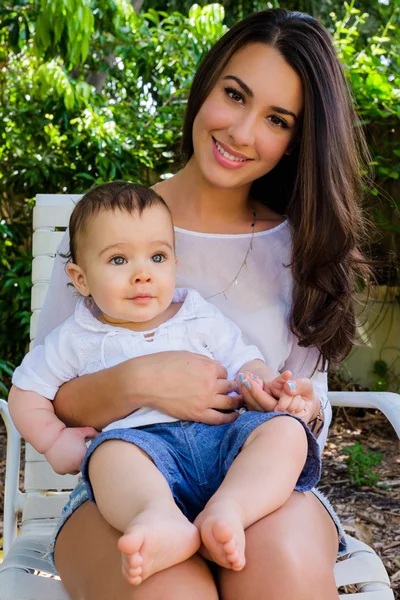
point(78, 279)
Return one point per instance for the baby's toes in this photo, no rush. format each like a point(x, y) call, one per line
point(133, 561)
point(230, 547)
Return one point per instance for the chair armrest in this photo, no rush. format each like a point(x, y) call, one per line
point(387, 402)
point(13, 498)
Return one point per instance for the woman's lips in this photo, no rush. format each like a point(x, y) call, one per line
point(229, 163)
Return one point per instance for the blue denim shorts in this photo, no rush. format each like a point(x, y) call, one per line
point(194, 458)
point(196, 466)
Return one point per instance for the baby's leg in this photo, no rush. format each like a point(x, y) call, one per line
point(259, 481)
point(134, 497)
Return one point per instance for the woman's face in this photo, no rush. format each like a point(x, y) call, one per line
point(250, 118)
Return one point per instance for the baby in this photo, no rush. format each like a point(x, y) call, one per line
point(172, 487)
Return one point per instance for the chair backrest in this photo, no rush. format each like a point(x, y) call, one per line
point(50, 220)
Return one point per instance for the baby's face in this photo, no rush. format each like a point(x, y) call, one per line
point(128, 263)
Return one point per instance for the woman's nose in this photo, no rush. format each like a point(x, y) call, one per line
point(242, 132)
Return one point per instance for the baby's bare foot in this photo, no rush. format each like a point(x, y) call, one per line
point(156, 540)
point(222, 535)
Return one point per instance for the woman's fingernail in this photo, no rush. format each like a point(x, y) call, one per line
point(292, 385)
point(241, 377)
point(247, 384)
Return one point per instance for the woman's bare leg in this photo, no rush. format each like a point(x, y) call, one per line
point(89, 564)
point(290, 555)
point(135, 498)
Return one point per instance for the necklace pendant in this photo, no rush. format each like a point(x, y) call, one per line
point(245, 265)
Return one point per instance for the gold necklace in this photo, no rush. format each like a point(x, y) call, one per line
point(244, 263)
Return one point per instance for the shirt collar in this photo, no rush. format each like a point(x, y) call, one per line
point(193, 306)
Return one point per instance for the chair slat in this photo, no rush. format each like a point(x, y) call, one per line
point(51, 216)
point(34, 322)
point(46, 242)
point(57, 199)
point(42, 267)
point(44, 506)
point(39, 476)
point(38, 295)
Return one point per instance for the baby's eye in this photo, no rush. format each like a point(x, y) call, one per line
point(234, 94)
point(118, 260)
point(158, 258)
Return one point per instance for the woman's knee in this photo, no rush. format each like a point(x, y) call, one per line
point(289, 554)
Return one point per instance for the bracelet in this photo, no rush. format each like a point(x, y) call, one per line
point(318, 422)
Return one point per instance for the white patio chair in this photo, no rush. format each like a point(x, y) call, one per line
point(46, 493)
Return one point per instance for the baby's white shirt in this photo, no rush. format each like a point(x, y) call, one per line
point(259, 303)
point(84, 345)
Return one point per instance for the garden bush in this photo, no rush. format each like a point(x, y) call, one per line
point(91, 91)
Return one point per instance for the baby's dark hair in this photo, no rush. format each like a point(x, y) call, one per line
point(117, 195)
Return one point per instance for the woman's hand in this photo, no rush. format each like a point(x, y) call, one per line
point(298, 398)
point(262, 395)
point(188, 386)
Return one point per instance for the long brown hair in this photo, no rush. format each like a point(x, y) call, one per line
point(319, 186)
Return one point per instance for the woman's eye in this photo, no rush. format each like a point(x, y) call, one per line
point(158, 258)
point(234, 94)
point(118, 260)
point(278, 122)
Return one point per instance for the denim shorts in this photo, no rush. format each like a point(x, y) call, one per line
point(194, 459)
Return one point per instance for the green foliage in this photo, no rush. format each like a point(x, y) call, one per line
point(90, 91)
point(381, 370)
point(360, 462)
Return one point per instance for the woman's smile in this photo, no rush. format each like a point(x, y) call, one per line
point(227, 157)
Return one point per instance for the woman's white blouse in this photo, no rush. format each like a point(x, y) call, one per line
point(259, 302)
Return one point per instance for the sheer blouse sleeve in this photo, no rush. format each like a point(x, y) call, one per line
point(60, 298)
point(302, 361)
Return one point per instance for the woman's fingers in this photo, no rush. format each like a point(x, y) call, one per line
point(301, 387)
point(225, 386)
point(215, 417)
point(276, 385)
point(256, 397)
point(222, 402)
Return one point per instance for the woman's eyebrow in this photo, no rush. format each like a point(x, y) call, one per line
point(242, 84)
point(250, 93)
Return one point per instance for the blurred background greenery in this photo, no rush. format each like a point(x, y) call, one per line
point(95, 90)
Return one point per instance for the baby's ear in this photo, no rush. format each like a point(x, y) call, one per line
point(78, 278)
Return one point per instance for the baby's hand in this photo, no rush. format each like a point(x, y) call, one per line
point(67, 452)
point(298, 398)
point(261, 395)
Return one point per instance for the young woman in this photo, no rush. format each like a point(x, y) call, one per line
point(268, 227)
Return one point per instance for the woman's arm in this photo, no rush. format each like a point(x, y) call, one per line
point(184, 385)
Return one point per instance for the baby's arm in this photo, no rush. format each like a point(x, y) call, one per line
point(34, 417)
